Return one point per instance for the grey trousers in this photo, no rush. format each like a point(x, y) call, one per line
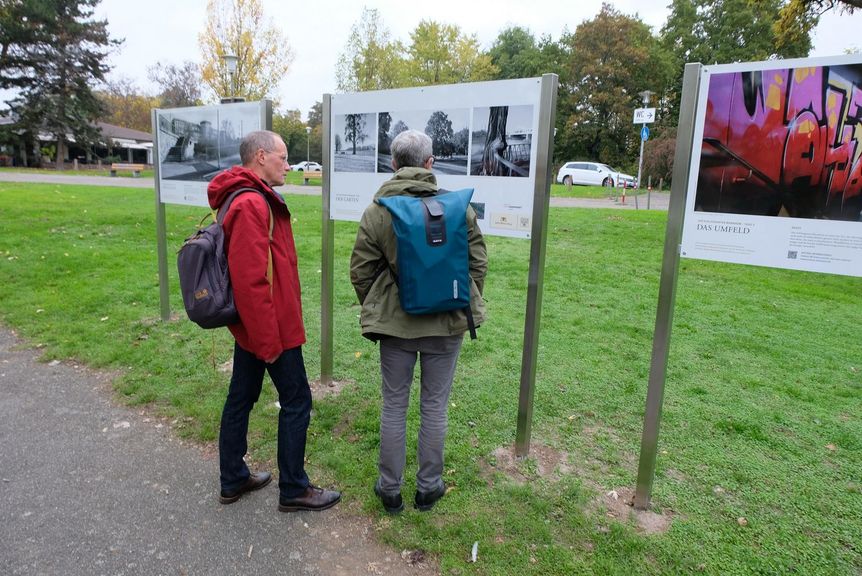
point(438, 356)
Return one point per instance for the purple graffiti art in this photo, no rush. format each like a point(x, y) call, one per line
point(784, 143)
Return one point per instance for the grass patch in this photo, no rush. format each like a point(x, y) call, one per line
point(104, 171)
point(761, 409)
point(296, 178)
point(563, 191)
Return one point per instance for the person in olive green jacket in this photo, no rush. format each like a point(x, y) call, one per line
point(435, 339)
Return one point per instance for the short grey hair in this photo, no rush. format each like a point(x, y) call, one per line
point(411, 148)
point(254, 141)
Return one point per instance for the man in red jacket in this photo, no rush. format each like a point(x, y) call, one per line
point(270, 333)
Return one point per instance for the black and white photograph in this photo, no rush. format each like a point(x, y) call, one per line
point(354, 142)
point(195, 144)
point(502, 141)
point(448, 129)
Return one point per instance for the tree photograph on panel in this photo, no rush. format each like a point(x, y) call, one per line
point(448, 130)
point(357, 149)
point(502, 141)
point(197, 143)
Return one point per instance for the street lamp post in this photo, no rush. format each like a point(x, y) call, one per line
point(307, 145)
point(645, 96)
point(230, 62)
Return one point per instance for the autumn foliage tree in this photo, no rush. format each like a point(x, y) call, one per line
point(442, 54)
point(240, 28)
point(179, 86)
point(436, 54)
point(614, 58)
point(126, 106)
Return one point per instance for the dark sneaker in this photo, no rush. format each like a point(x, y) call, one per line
point(255, 482)
point(313, 499)
point(425, 500)
point(392, 503)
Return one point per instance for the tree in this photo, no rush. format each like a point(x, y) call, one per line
point(179, 85)
point(354, 129)
point(25, 33)
point(126, 106)
point(371, 60)
point(238, 27)
point(613, 58)
point(516, 54)
point(658, 157)
point(399, 127)
point(441, 54)
point(383, 141)
point(439, 128)
point(289, 126)
point(723, 31)
point(315, 115)
point(54, 59)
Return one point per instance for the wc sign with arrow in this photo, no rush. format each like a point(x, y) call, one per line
point(644, 115)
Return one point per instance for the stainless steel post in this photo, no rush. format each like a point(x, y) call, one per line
point(667, 285)
point(541, 202)
point(161, 227)
point(327, 255)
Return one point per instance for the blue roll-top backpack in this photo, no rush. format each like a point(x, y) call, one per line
point(433, 252)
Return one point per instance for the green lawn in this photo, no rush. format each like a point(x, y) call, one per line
point(761, 441)
point(105, 171)
point(563, 191)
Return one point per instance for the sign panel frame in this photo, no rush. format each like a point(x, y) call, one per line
point(195, 143)
point(776, 173)
point(465, 156)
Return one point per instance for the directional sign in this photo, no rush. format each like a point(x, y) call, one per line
point(644, 133)
point(644, 115)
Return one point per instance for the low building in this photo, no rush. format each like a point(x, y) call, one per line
point(117, 144)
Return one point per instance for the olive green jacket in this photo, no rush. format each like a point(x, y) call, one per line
point(374, 259)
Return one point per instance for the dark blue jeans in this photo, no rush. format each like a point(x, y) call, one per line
point(294, 395)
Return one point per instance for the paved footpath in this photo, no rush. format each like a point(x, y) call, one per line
point(89, 487)
point(657, 200)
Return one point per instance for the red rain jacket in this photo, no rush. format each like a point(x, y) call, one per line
point(270, 321)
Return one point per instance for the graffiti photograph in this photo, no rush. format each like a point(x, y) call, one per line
point(502, 141)
point(354, 142)
point(448, 129)
point(783, 142)
point(195, 144)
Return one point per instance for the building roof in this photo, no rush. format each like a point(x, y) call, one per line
point(118, 132)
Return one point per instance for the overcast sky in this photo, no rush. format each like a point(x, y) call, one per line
point(167, 31)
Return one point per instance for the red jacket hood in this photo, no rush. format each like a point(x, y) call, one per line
point(237, 177)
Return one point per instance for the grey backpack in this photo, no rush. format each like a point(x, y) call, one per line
point(203, 272)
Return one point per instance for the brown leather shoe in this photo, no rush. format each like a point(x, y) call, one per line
point(314, 499)
point(255, 481)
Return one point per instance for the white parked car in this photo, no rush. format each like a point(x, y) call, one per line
point(306, 166)
point(594, 174)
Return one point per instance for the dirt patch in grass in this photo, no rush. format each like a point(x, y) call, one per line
point(333, 388)
point(619, 505)
point(551, 465)
point(542, 462)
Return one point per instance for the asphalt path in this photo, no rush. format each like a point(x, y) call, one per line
point(655, 200)
point(90, 487)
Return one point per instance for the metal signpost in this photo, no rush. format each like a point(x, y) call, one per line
point(643, 116)
point(667, 286)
